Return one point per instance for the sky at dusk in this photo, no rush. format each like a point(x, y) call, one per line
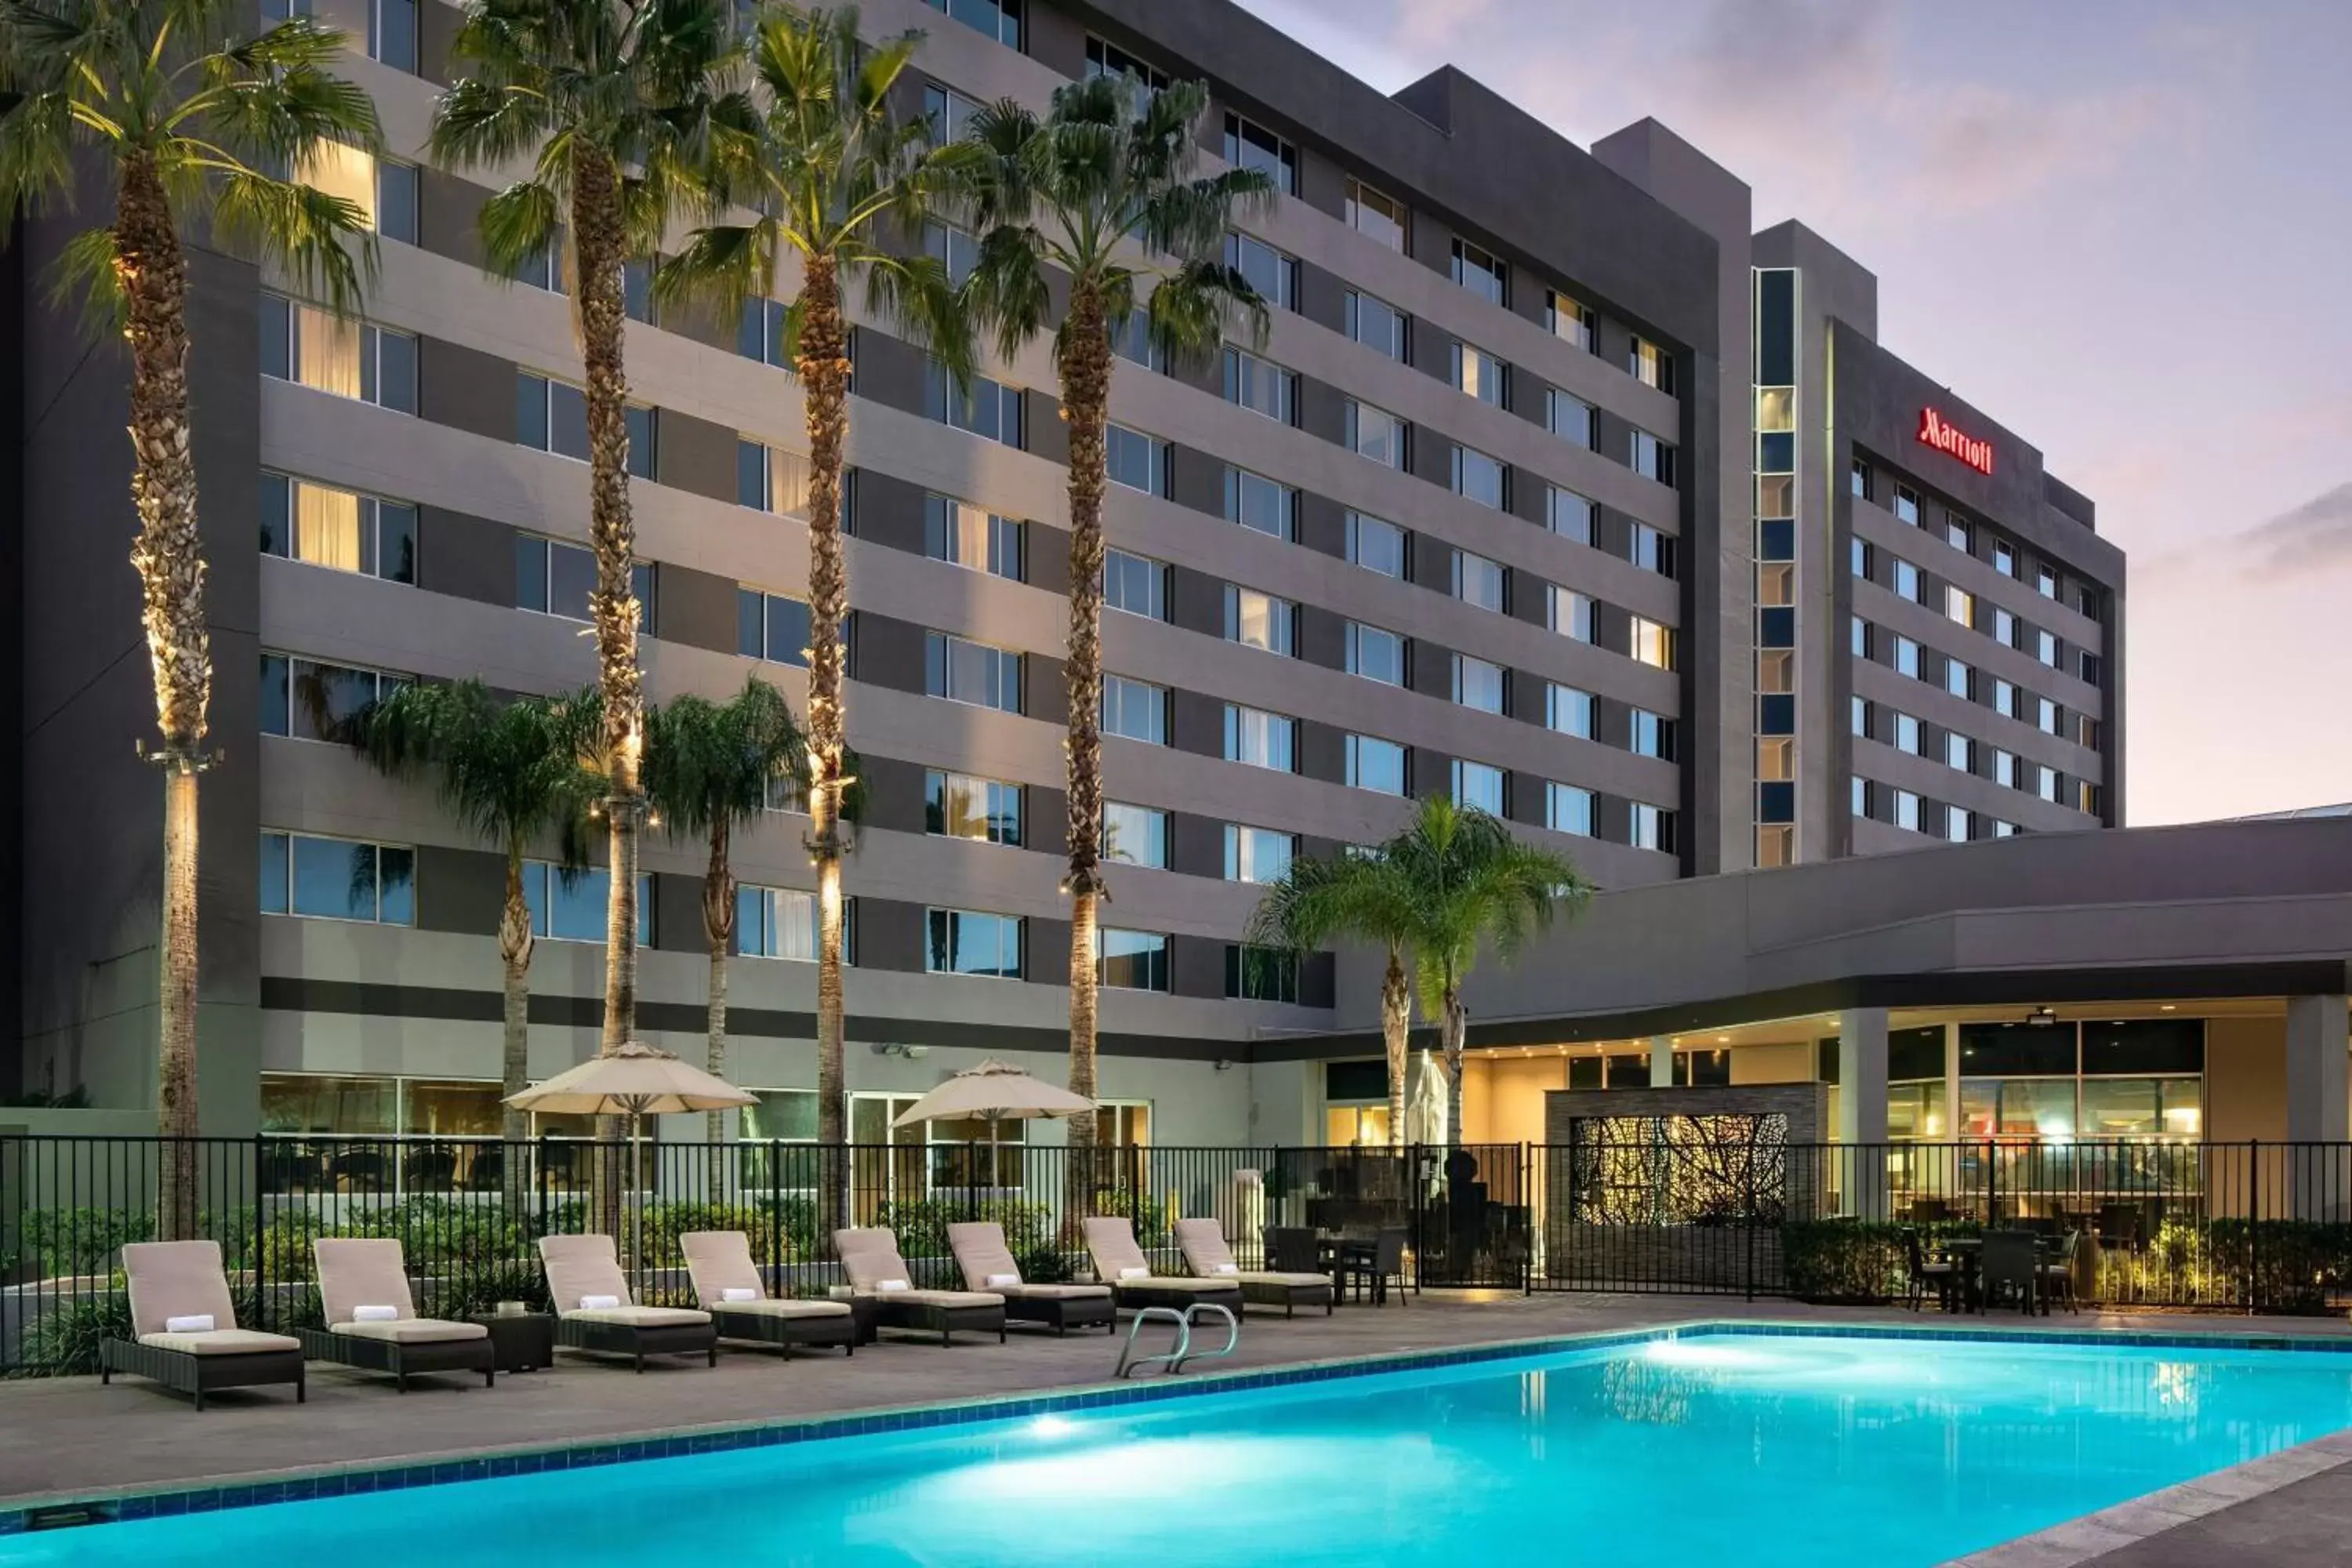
point(2119, 226)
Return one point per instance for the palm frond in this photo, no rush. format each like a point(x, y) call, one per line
point(83, 276)
point(518, 224)
point(312, 234)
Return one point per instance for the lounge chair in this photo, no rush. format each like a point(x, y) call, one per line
point(731, 1289)
point(987, 1264)
point(1119, 1263)
point(594, 1312)
point(186, 1330)
point(372, 1322)
point(1206, 1254)
point(875, 1269)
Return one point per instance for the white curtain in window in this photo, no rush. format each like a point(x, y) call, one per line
point(326, 352)
point(788, 482)
point(327, 526)
point(336, 170)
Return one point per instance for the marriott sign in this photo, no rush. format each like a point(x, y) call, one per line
point(1937, 431)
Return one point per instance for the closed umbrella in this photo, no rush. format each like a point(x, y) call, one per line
point(634, 1081)
point(996, 1093)
point(1425, 1111)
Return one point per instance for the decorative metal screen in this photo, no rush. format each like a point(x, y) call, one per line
point(1679, 1170)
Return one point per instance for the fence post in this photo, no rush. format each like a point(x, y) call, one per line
point(2253, 1225)
point(1525, 1202)
point(1992, 1183)
point(1747, 1209)
point(261, 1302)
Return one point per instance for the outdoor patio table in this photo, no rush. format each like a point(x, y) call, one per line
point(520, 1342)
point(1347, 1257)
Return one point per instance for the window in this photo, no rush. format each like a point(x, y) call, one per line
point(1651, 549)
point(988, 409)
point(1568, 711)
point(1375, 654)
point(965, 942)
point(2004, 829)
point(552, 417)
point(2045, 783)
point(1131, 960)
point(1960, 606)
point(1261, 739)
point(1906, 809)
point(337, 878)
point(1860, 556)
point(1907, 504)
point(2045, 716)
point(1651, 366)
point(1959, 679)
point(2004, 628)
point(1567, 319)
point(772, 626)
point(1568, 809)
point(2088, 666)
point(1136, 460)
point(2004, 558)
point(392, 34)
point(1135, 708)
point(308, 699)
point(1651, 643)
point(770, 479)
point(951, 247)
point(1568, 514)
point(321, 526)
point(1907, 657)
point(1259, 503)
point(1651, 458)
point(1478, 581)
point(1260, 385)
point(384, 192)
point(2045, 580)
point(2004, 699)
point(1375, 764)
point(1135, 835)
point(1653, 735)
point(1861, 715)
point(787, 794)
point(2046, 648)
point(1109, 59)
point(999, 19)
point(1957, 531)
point(966, 535)
point(1960, 753)
point(1479, 478)
point(1958, 824)
point(1261, 620)
point(950, 113)
point(1135, 584)
point(304, 345)
point(1376, 324)
point(960, 805)
point(1859, 795)
point(1906, 733)
point(775, 922)
point(552, 578)
point(1479, 375)
point(1257, 854)
point(1477, 784)
point(1906, 579)
point(971, 672)
point(1571, 614)
point(1650, 826)
point(1261, 974)
point(2087, 731)
point(2086, 601)
point(1375, 545)
point(1249, 146)
point(1132, 341)
point(1858, 641)
point(1480, 271)
point(1477, 683)
point(1269, 271)
point(1371, 213)
point(1858, 480)
point(1375, 433)
point(759, 335)
point(1570, 418)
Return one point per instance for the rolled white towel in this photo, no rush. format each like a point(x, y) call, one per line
point(996, 1279)
point(1227, 1269)
point(375, 1314)
point(1135, 1272)
point(892, 1284)
point(194, 1323)
point(599, 1303)
point(739, 1293)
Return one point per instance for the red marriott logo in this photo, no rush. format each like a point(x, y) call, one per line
point(1937, 431)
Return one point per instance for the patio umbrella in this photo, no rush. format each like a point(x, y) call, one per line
point(634, 1081)
point(1424, 1110)
point(997, 1092)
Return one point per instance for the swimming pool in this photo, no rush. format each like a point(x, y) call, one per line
point(1721, 1444)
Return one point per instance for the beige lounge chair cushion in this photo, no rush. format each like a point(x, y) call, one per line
point(578, 1267)
point(949, 1298)
point(774, 1307)
point(1183, 1282)
point(1274, 1277)
point(718, 1261)
point(980, 1252)
point(1203, 1241)
point(355, 1272)
point(638, 1317)
point(180, 1280)
point(221, 1342)
point(414, 1331)
point(1025, 1293)
point(1110, 1242)
point(869, 1256)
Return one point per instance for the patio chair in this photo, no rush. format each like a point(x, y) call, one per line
point(875, 1269)
point(593, 1311)
point(185, 1327)
point(1291, 1249)
point(2012, 1264)
point(988, 1265)
point(372, 1322)
point(2057, 1272)
point(1206, 1254)
point(1388, 1263)
point(1119, 1263)
point(1920, 1275)
point(729, 1285)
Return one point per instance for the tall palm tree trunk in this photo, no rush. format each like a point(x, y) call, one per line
point(1086, 370)
point(600, 247)
point(169, 556)
point(514, 953)
point(1454, 1030)
point(1396, 1027)
point(719, 926)
point(824, 381)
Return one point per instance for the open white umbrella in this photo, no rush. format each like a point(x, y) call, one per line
point(996, 1093)
point(634, 1081)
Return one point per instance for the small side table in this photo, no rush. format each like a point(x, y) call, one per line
point(520, 1342)
point(865, 1312)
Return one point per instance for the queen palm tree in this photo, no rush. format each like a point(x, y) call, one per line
point(610, 99)
point(176, 109)
point(1471, 884)
point(710, 768)
point(838, 181)
point(1110, 164)
point(1355, 896)
point(511, 772)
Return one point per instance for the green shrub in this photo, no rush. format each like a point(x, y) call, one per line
point(921, 1224)
point(1045, 1264)
point(1147, 1213)
point(665, 1223)
point(1841, 1260)
point(63, 1340)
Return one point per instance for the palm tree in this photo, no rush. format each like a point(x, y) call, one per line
point(179, 111)
point(1472, 885)
point(511, 772)
point(1356, 896)
point(611, 99)
point(1109, 164)
point(835, 177)
point(709, 769)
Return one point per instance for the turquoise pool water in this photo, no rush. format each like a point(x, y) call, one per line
point(1717, 1446)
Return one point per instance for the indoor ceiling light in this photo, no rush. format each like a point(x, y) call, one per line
point(2042, 1018)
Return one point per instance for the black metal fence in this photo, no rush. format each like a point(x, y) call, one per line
point(1682, 1205)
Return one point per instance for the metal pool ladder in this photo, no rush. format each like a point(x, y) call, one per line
point(1180, 1349)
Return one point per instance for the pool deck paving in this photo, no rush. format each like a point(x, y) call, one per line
point(70, 1438)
